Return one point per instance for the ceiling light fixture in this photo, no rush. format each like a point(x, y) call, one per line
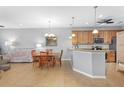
point(51, 34)
point(95, 31)
point(100, 16)
point(71, 25)
point(20, 24)
point(87, 23)
point(73, 35)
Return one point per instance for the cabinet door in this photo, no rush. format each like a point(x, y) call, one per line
point(75, 39)
point(113, 33)
point(101, 34)
point(80, 37)
point(85, 37)
point(90, 38)
point(111, 56)
point(107, 37)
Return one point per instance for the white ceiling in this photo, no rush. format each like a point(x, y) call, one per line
point(60, 16)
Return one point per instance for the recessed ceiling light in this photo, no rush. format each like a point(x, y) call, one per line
point(87, 23)
point(100, 16)
point(120, 22)
point(20, 24)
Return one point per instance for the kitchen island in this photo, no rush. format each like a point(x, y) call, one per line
point(89, 62)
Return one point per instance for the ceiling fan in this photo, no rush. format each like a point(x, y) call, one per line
point(1, 26)
point(106, 21)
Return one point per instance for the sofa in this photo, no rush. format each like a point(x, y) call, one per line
point(20, 55)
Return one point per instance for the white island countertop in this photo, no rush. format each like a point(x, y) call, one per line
point(89, 62)
point(90, 50)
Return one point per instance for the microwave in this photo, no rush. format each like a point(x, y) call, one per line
point(98, 40)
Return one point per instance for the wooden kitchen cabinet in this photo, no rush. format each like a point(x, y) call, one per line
point(75, 39)
point(80, 37)
point(101, 34)
point(111, 56)
point(90, 37)
point(113, 34)
point(107, 37)
point(86, 37)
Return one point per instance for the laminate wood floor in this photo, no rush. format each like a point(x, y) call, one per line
point(23, 75)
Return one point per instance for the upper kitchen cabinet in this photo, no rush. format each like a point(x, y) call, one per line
point(75, 38)
point(101, 34)
point(86, 37)
point(113, 33)
point(82, 37)
point(107, 37)
point(90, 37)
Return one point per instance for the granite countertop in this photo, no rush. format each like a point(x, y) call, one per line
point(90, 50)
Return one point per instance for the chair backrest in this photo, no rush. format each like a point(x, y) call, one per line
point(61, 53)
point(49, 50)
point(33, 52)
point(43, 57)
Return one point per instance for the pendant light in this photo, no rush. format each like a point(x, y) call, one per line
point(95, 31)
point(51, 34)
point(71, 26)
point(73, 35)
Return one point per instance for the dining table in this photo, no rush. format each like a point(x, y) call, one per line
point(53, 56)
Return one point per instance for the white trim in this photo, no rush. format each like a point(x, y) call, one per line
point(91, 76)
point(66, 59)
point(82, 72)
point(102, 77)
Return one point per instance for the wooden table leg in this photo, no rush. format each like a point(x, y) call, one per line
point(54, 61)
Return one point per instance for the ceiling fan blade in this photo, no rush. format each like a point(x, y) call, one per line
point(100, 22)
point(1, 26)
point(106, 21)
point(109, 22)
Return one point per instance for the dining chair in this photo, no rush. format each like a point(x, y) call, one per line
point(35, 59)
point(60, 57)
point(43, 59)
point(46, 59)
point(49, 50)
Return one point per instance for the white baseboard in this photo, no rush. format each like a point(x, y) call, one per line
point(66, 59)
point(91, 76)
point(102, 77)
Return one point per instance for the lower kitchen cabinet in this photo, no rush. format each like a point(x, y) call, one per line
point(111, 56)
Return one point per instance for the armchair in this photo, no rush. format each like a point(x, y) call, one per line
point(4, 64)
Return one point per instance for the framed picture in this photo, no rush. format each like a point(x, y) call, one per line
point(51, 41)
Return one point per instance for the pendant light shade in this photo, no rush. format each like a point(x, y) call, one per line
point(95, 31)
point(73, 35)
point(46, 35)
point(51, 35)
